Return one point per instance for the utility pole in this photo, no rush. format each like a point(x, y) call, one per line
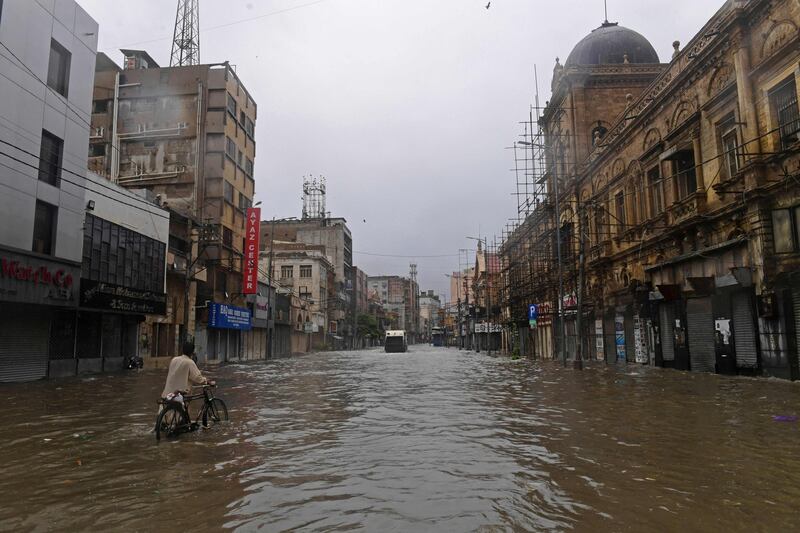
point(557, 216)
point(270, 311)
point(578, 363)
point(488, 297)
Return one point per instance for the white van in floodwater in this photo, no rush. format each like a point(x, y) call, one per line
point(395, 341)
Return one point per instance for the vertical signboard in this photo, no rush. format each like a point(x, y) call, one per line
point(640, 346)
point(598, 335)
point(250, 270)
point(619, 331)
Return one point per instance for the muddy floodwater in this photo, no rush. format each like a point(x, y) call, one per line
point(432, 440)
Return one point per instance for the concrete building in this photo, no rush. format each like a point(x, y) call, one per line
point(361, 292)
point(45, 80)
point(123, 281)
point(679, 178)
point(429, 307)
point(307, 273)
point(485, 307)
point(334, 235)
point(187, 134)
point(399, 296)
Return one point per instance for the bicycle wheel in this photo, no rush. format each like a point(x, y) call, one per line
point(215, 411)
point(170, 421)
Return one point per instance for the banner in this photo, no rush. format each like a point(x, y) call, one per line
point(250, 270)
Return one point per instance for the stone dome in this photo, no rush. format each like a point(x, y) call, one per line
point(609, 44)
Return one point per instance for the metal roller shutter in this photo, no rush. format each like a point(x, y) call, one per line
point(610, 339)
point(702, 353)
point(24, 341)
point(667, 314)
point(744, 334)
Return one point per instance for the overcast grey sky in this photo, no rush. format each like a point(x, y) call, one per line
point(405, 106)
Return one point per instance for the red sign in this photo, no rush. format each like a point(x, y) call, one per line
point(252, 227)
point(37, 275)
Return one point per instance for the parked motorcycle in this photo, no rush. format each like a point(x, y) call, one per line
point(134, 363)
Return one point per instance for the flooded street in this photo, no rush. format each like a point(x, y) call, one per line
point(432, 440)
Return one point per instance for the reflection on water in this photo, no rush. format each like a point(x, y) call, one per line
point(435, 439)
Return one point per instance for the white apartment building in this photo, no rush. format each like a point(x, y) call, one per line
point(81, 260)
point(47, 57)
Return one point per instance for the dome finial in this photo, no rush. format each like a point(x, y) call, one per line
point(605, 6)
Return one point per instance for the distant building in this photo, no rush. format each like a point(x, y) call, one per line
point(307, 272)
point(399, 295)
point(429, 306)
point(334, 235)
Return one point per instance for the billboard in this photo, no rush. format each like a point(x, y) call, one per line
point(250, 270)
point(223, 316)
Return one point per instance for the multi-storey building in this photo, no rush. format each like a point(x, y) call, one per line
point(83, 260)
point(399, 295)
point(187, 134)
point(334, 235)
point(678, 188)
point(307, 273)
point(429, 306)
point(46, 66)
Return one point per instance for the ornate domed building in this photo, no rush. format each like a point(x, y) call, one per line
point(612, 44)
point(602, 72)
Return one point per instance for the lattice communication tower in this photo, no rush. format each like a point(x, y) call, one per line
point(186, 39)
point(314, 191)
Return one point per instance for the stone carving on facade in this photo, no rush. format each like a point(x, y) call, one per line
point(721, 79)
point(618, 168)
point(780, 33)
point(682, 112)
point(651, 138)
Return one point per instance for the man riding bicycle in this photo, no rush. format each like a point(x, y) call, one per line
point(183, 373)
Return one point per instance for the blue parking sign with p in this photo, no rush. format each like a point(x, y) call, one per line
point(533, 312)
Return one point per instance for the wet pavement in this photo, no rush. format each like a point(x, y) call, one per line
point(432, 440)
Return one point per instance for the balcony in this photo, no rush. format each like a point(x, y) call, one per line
point(687, 209)
point(600, 251)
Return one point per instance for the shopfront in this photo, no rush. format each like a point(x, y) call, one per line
point(38, 298)
point(226, 323)
point(255, 342)
point(108, 323)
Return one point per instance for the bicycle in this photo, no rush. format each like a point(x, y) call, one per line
point(174, 418)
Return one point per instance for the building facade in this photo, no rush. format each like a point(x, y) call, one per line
point(335, 237)
point(307, 273)
point(187, 134)
point(45, 79)
point(400, 298)
point(677, 213)
point(429, 307)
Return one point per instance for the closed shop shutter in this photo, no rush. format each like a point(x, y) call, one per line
point(796, 308)
point(630, 344)
point(667, 314)
point(610, 339)
point(744, 334)
point(24, 345)
point(702, 353)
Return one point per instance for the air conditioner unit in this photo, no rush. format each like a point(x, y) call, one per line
point(183, 125)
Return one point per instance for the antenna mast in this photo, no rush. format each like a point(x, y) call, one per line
point(186, 39)
point(314, 192)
